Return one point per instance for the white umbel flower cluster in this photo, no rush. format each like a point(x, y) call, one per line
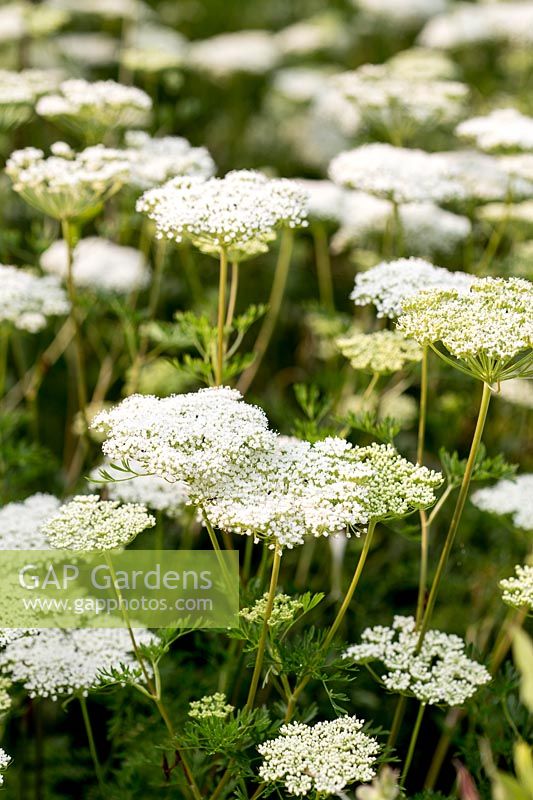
point(505, 129)
point(390, 284)
point(322, 758)
point(518, 589)
point(95, 108)
point(403, 13)
point(466, 25)
point(196, 439)
point(55, 662)
point(209, 706)
point(485, 178)
point(100, 265)
point(67, 184)
point(487, 326)
point(441, 673)
point(512, 496)
point(239, 213)
point(5, 761)
point(154, 161)
point(252, 52)
point(380, 352)
point(27, 300)
point(396, 173)
point(88, 523)
point(21, 524)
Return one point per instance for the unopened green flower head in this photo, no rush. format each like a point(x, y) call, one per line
point(488, 328)
point(211, 705)
point(284, 609)
point(67, 184)
point(239, 213)
point(88, 523)
point(518, 589)
point(381, 352)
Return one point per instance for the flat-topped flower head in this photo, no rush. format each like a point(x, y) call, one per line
point(209, 706)
point(390, 284)
point(325, 200)
point(21, 524)
point(239, 213)
point(197, 439)
point(58, 663)
point(100, 265)
point(405, 13)
point(512, 496)
point(396, 487)
point(294, 490)
point(505, 129)
point(27, 300)
point(91, 110)
point(323, 758)
point(154, 161)
point(488, 328)
point(398, 174)
point(88, 523)
point(66, 184)
point(252, 52)
point(381, 352)
point(485, 178)
point(154, 48)
point(134, 487)
point(517, 591)
point(440, 673)
point(466, 25)
point(5, 761)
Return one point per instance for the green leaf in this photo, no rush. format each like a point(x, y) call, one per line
point(523, 657)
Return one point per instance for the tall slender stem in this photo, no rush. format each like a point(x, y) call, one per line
point(422, 418)
point(323, 267)
point(397, 721)
point(424, 526)
point(92, 747)
point(274, 306)
point(68, 236)
point(338, 619)
point(234, 287)
point(264, 632)
point(157, 276)
point(223, 279)
point(4, 341)
point(412, 743)
point(458, 511)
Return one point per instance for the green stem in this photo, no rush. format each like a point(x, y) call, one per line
point(274, 305)
point(371, 386)
point(234, 287)
point(458, 511)
point(4, 342)
point(323, 267)
point(157, 277)
point(68, 232)
point(223, 279)
point(92, 747)
point(424, 527)
point(338, 619)
point(412, 743)
point(264, 632)
point(397, 721)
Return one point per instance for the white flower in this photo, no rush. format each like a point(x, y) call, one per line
point(27, 300)
point(154, 161)
point(135, 10)
point(390, 284)
point(239, 213)
point(21, 524)
point(509, 496)
point(88, 523)
point(414, 61)
point(518, 590)
point(254, 52)
point(5, 761)
point(470, 24)
point(99, 264)
point(196, 439)
point(406, 13)
point(483, 177)
point(92, 109)
point(396, 173)
point(440, 673)
point(211, 705)
point(504, 129)
point(519, 392)
point(149, 490)
point(55, 662)
point(324, 32)
point(321, 758)
point(487, 326)
point(325, 200)
point(88, 49)
point(21, 19)
point(154, 48)
point(519, 165)
point(380, 352)
point(67, 184)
